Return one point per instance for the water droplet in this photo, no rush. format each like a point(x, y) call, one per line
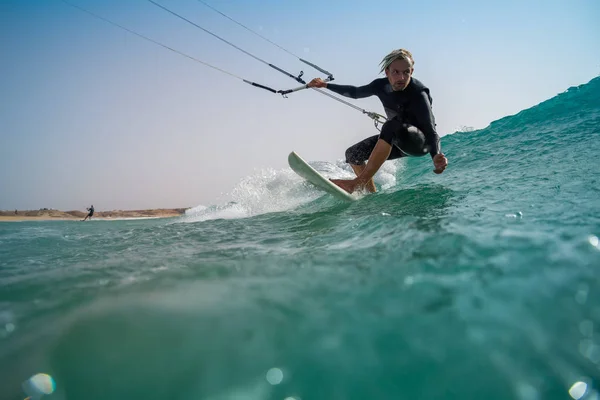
point(584, 346)
point(582, 293)
point(519, 214)
point(578, 390)
point(586, 327)
point(581, 296)
point(9, 327)
point(526, 391)
point(590, 350)
point(594, 241)
point(38, 385)
point(274, 376)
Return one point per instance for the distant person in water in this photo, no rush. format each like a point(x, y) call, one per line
point(91, 212)
point(410, 127)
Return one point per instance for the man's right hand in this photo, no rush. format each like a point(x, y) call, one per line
point(440, 163)
point(317, 82)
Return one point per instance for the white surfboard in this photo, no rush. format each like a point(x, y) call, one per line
point(301, 167)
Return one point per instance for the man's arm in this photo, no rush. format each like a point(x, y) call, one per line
point(354, 92)
point(426, 123)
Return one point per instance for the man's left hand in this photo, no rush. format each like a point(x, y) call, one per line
point(440, 162)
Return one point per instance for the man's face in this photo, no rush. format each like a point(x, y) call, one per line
point(398, 73)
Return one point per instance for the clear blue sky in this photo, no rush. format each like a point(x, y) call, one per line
point(90, 113)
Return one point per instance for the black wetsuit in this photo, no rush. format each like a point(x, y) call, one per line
point(410, 128)
point(91, 211)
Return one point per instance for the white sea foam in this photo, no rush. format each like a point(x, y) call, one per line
point(270, 190)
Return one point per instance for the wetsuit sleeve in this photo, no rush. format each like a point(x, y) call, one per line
point(426, 122)
point(354, 92)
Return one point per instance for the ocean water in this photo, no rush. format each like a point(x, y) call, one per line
point(481, 283)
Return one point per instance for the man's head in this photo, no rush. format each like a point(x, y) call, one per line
point(398, 67)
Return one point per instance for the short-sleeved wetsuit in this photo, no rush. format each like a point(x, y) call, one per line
point(410, 128)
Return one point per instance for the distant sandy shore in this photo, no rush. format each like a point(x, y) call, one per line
point(56, 215)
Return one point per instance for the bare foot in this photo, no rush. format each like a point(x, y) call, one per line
point(349, 185)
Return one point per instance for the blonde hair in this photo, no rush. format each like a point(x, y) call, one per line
point(399, 54)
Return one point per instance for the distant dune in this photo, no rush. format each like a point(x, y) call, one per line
point(49, 214)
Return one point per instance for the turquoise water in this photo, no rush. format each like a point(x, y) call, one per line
point(481, 283)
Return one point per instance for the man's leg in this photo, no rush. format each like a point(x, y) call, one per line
point(380, 153)
point(356, 156)
point(406, 137)
point(362, 151)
